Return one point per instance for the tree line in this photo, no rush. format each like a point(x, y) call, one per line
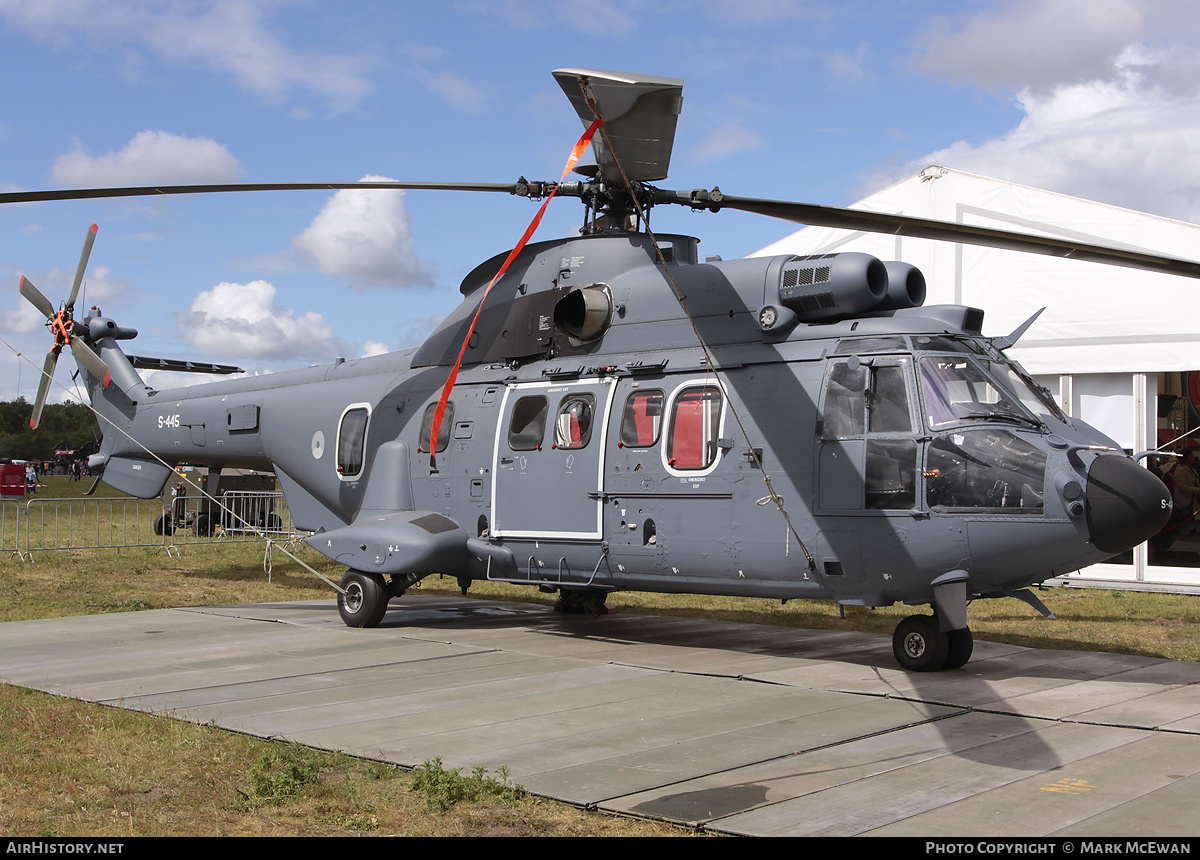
point(70, 426)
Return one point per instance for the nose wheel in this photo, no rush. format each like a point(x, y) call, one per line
point(363, 600)
point(920, 645)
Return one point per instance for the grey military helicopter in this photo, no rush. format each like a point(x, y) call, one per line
point(630, 417)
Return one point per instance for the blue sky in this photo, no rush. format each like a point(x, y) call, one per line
point(811, 101)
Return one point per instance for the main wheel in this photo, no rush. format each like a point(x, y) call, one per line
point(962, 643)
point(363, 600)
point(919, 644)
point(582, 601)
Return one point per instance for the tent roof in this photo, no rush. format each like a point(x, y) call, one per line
point(1098, 319)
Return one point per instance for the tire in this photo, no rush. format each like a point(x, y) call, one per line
point(919, 644)
point(203, 525)
point(163, 525)
point(582, 601)
point(962, 643)
point(363, 600)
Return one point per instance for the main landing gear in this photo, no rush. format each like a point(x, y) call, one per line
point(920, 645)
point(582, 601)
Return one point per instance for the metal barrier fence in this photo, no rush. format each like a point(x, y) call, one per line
point(246, 515)
point(11, 511)
point(34, 525)
point(90, 523)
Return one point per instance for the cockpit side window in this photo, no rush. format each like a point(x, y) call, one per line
point(866, 399)
point(845, 406)
point(871, 402)
point(889, 402)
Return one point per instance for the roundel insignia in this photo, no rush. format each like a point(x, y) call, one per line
point(318, 445)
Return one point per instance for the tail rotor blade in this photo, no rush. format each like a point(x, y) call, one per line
point(91, 362)
point(83, 261)
point(35, 298)
point(43, 388)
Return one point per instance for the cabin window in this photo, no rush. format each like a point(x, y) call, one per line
point(695, 425)
point(352, 438)
point(573, 427)
point(642, 419)
point(527, 427)
point(443, 438)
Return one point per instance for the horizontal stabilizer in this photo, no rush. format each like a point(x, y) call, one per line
point(143, 479)
point(143, 362)
point(419, 542)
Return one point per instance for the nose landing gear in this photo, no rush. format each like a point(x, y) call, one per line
point(920, 645)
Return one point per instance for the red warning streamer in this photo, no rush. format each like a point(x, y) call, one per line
point(512, 255)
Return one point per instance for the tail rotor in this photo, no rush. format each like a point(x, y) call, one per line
point(66, 331)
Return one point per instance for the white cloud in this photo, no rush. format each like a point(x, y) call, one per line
point(618, 18)
point(243, 321)
point(725, 141)
point(849, 69)
point(459, 91)
point(1105, 116)
point(231, 36)
point(412, 332)
point(99, 286)
point(375, 347)
point(23, 320)
point(366, 236)
point(150, 157)
point(1123, 140)
point(1032, 43)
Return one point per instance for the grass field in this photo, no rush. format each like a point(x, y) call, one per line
point(70, 768)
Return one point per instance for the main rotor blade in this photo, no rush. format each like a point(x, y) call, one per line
point(43, 388)
point(154, 190)
point(88, 241)
point(923, 228)
point(91, 362)
point(35, 297)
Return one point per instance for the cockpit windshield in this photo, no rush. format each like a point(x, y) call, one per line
point(1036, 400)
point(956, 390)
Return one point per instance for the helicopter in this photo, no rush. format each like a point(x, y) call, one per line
point(609, 412)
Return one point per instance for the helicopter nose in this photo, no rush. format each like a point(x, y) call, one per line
point(1126, 504)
